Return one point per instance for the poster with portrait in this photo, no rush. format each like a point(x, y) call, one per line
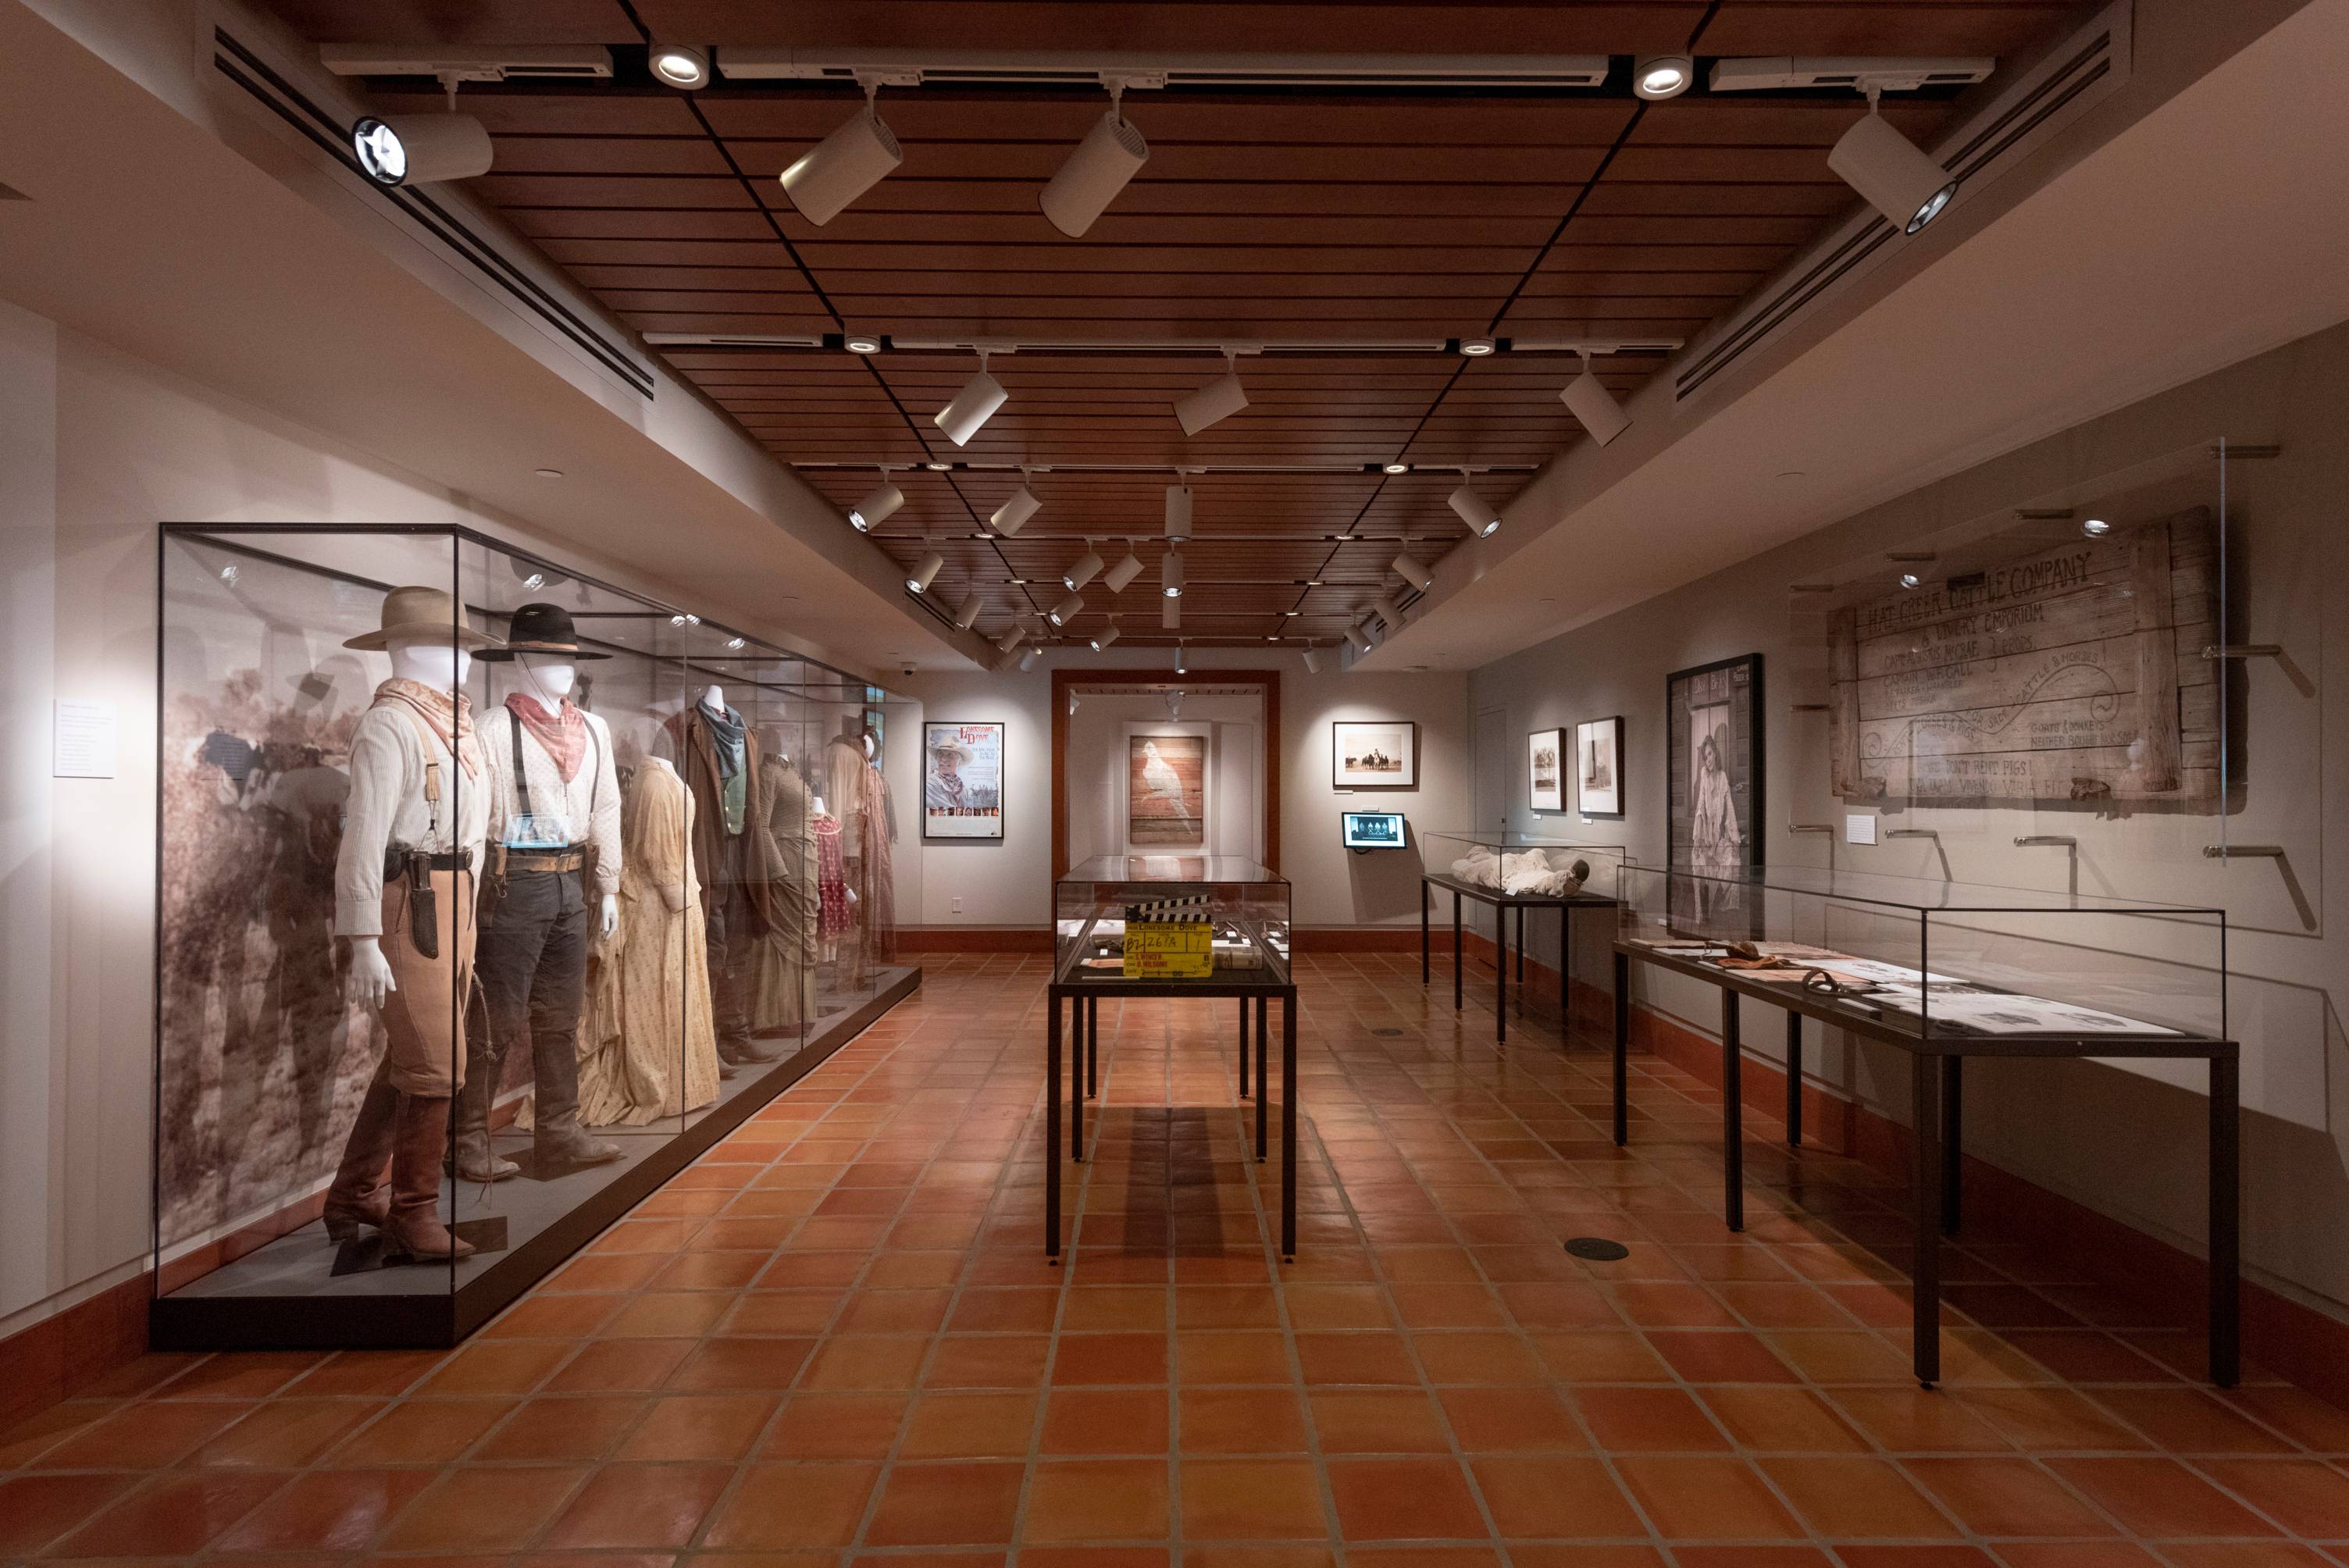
point(1713, 721)
point(1166, 792)
point(1599, 767)
point(1545, 770)
point(962, 780)
point(1374, 754)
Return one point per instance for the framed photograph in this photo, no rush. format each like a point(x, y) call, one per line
point(1599, 767)
point(1374, 754)
point(1546, 765)
point(1166, 792)
point(962, 780)
point(1714, 723)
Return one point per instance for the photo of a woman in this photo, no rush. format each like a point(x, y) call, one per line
point(1713, 716)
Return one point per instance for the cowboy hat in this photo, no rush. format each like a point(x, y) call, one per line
point(542, 629)
point(422, 615)
point(950, 747)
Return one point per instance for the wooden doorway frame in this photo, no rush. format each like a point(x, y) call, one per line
point(1065, 681)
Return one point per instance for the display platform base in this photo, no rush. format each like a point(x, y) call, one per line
point(305, 1291)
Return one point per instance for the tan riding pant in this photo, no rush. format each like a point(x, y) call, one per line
point(424, 1018)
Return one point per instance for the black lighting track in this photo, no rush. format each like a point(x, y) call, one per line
point(296, 108)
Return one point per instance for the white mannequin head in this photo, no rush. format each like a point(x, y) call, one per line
point(437, 663)
point(715, 699)
point(866, 739)
point(548, 677)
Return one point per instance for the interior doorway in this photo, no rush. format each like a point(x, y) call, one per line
point(1148, 762)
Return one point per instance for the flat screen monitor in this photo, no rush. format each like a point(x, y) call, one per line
point(1372, 830)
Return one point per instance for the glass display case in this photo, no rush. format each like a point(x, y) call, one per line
point(1216, 920)
point(1533, 865)
point(1917, 956)
point(490, 895)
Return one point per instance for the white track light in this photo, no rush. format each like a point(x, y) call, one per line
point(1067, 610)
point(1357, 641)
point(421, 148)
point(1312, 663)
point(926, 572)
point(1218, 401)
point(1013, 514)
point(1123, 573)
point(1169, 575)
point(1413, 573)
point(1476, 513)
point(967, 614)
point(684, 65)
point(1594, 408)
point(1391, 612)
point(1011, 639)
point(1028, 660)
point(877, 508)
point(1658, 77)
point(1178, 514)
point(842, 167)
point(1092, 175)
point(1104, 638)
point(1181, 661)
point(1087, 567)
point(1886, 167)
point(972, 406)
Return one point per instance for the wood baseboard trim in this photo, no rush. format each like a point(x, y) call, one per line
point(974, 939)
point(73, 1350)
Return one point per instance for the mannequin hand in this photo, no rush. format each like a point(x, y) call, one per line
point(370, 979)
point(611, 913)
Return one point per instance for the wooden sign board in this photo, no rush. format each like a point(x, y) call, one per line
point(1169, 950)
point(2071, 674)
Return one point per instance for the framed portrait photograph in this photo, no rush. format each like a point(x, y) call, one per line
point(1545, 770)
point(1165, 792)
point(962, 780)
point(1374, 754)
point(1714, 723)
point(1599, 767)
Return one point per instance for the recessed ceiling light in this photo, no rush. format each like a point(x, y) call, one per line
point(937, 468)
point(861, 343)
point(2096, 527)
point(1662, 75)
point(1285, 613)
point(1396, 468)
point(680, 64)
point(1477, 347)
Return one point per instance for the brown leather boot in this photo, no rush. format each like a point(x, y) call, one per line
point(358, 1196)
point(413, 1228)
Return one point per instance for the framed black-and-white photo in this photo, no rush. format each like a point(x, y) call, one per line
point(1545, 770)
point(962, 780)
point(1713, 737)
point(1599, 767)
point(1374, 754)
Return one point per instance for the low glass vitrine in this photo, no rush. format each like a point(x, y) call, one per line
point(1536, 864)
point(1206, 918)
point(1532, 875)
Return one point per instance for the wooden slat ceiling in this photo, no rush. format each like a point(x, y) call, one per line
point(1262, 215)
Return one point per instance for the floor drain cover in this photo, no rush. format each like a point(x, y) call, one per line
point(1598, 1249)
point(1387, 1034)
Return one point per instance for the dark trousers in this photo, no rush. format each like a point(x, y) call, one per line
point(733, 958)
point(531, 962)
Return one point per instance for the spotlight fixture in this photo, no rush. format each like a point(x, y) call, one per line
point(925, 573)
point(1182, 664)
point(1477, 347)
point(1217, 401)
point(1357, 641)
point(1066, 610)
point(1391, 612)
point(1169, 575)
point(1593, 406)
point(534, 582)
point(1092, 175)
point(972, 406)
point(1072, 705)
point(1011, 639)
point(1174, 702)
point(1889, 170)
point(685, 65)
point(1656, 77)
point(1086, 568)
point(1312, 661)
point(1910, 580)
point(1178, 514)
point(1413, 573)
point(228, 574)
point(1123, 573)
point(1476, 513)
point(1012, 515)
point(968, 613)
point(861, 343)
point(1028, 660)
point(2096, 527)
point(877, 508)
point(421, 148)
point(1104, 638)
point(1394, 467)
point(843, 166)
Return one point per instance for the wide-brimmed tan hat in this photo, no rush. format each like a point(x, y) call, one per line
point(951, 747)
point(423, 615)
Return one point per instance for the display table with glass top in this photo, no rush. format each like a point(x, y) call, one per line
point(1169, 925)
point(1945, 971)
point(1517, 872)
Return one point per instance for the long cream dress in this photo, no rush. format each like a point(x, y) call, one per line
point(657, 978)
point(783, 991)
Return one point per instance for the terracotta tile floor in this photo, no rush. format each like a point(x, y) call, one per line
point(835, 1339)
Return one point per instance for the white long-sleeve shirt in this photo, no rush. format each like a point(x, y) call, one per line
point(591, 799)
point(387, 807)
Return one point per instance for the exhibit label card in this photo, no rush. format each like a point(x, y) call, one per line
point(86, 739)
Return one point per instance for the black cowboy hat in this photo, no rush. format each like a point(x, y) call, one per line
point(541, 629)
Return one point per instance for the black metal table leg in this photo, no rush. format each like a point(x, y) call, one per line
point(1793, 1080)
point(1244, 1084)
point(1500, 975)
point(1733, 1114)
point(1521, 960)
point(1263, 1043)
point(1952, 1142)
point(1425, 973)
point(1092, 1047)
point(1287, 1125)
point(1623, 1050)
point(1565, 979)
point(2226, 1221)
point(1925, 1310)
point(1076, 1088)
point(1459, 958)
point(1052, 1132)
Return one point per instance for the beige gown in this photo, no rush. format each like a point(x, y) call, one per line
point(655, 1047)
point(783, 995)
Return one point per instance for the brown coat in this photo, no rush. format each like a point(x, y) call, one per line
point(696, 764)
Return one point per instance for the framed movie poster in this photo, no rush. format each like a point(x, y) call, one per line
point(1374, 754)
point(962, 780)
point(1713, 721)
point(1599, 767)
point(1545, 779)
point(1166, 792)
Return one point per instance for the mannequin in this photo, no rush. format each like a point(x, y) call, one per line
point(554, 870)
point(719, 759)
point(784, 995)
point(413, 833)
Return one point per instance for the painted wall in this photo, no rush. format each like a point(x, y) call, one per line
point(2125, 1141)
